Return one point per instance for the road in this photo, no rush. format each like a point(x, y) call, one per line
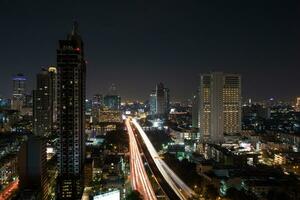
point(181, 190)
point(138, 174)
point(9, 190)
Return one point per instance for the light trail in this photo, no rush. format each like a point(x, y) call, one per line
point(138, 174)
point(178, 186)
point(9, 190)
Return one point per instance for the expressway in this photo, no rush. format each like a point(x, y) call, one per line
point(138, 174)
point(179, 189)
point(9, 190)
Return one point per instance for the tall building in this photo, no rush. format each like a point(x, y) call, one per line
point(195, 110)
point(112, 102)
point(220, 106)
point(52, 73)
point(71, 80)
point(32, 169)
point(19, 92)
point(162, 99)
point(152, 103)
point(44, 103)
point(97, 104)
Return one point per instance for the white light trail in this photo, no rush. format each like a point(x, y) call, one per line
point(138, 174)
point(179, 187)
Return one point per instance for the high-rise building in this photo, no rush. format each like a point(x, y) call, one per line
point(195, 110)
point(112, 102)
point(97, 104)
point(220, 106)
point(167, 100)
point(71, 80)
point(32, 169)
point(152, 103)
point(44, 103)
point(19, 92)
point(52, 73)
point(162, 99)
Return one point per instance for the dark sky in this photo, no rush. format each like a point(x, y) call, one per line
point(136, 44)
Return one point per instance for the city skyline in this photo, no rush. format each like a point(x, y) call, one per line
point(133, 43)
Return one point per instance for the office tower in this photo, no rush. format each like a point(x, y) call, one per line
point(44, 102)
point(220, 106)
point(152, 103)
point(112, 102)
point(32, 169)
point(167, 100)
point(162, 99)
point(195, 110)
point(52, 73)
point(71, 73)
point(97, 103)
point(19, 92)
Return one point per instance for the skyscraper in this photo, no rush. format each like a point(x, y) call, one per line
point(112, 102)
point(71, 73)
point(195, 110)
point(152, 103)
point(97, 104)
point(220, 106)
point(44, 103)
point(162, 99)
point(19, 92)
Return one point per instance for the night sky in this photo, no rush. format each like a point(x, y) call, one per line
point(136, 44)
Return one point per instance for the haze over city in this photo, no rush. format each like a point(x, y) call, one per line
point(149, 100)
point(134, 42)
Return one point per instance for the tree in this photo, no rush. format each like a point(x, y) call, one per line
point(134, 195)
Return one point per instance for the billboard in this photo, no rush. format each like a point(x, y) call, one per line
point(114, 195)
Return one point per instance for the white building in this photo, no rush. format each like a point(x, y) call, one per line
point(220, 106)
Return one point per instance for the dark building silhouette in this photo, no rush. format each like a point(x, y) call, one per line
point(112, 102)
point(44, 103)
point(71, 75)
point(162, 99)
point(32, 169)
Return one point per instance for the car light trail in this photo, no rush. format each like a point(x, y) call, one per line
point(9, 190)
point(179, 187)
point(139, 177)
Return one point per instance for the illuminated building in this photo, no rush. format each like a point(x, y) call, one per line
point(19, 92)
point(112, 102)
point(195, 109)
point(279, 159)
point(297, 108)
point(44, 104)
point(152, 103)
point(162, 99)
point(220, 106)
point(32, 169)
point(97, 103)
point(71, 78)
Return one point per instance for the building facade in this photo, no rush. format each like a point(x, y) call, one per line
point(44, 103)
point(19, 92)
point(33, 169)
point(71, 80)
point(112, 102)
point(220, 106)
point(162, 99)
point(152, 103)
